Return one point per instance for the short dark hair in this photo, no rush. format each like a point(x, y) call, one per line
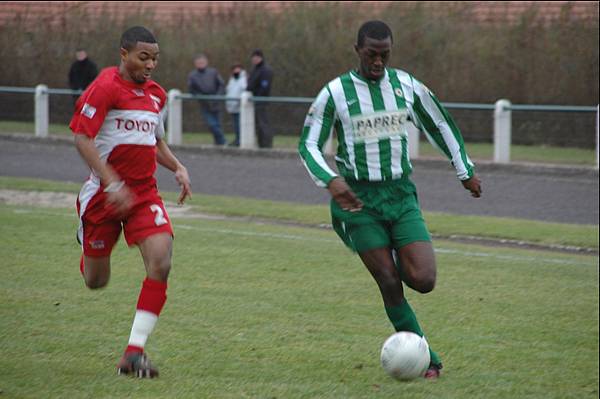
point(131, 36)
point(375, 30)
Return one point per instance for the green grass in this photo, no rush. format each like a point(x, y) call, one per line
point(263, 311)
point(441, 224)
point(477, 151)
point(523, 153)
point(29, 127)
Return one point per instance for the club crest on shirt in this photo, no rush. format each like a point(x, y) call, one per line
point(138, 92)
point(88, 110)
point(398, 92)
point(156, 101)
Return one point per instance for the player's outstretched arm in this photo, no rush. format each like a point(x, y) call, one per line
point(165, 157)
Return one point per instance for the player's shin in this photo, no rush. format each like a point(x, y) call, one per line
point(403, 318)
point(150, 303)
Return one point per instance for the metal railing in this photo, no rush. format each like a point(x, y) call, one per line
point(502, 116)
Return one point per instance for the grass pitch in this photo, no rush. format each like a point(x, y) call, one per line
point(267, 311)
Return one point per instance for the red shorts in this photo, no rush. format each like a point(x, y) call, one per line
point(99, 228)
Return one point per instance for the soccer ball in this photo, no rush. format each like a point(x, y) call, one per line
point(405, 355)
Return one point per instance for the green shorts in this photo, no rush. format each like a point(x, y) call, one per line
point(390, 216)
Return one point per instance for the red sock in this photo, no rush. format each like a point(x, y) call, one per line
point(150, 303)
point(133, 348)
point(153, 296)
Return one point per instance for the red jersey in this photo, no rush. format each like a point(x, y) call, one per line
point(124, 119)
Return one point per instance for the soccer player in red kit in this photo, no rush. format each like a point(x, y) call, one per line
point(118, 128)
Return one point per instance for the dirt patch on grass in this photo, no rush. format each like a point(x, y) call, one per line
point(43, 199)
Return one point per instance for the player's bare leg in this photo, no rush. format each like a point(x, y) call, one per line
point(421, 273)
point(380, 264)
point(419, 270)
point(156, 251)
point(418, 266)
point(96, 271)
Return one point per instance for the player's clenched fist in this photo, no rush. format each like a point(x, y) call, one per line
point(344, 196)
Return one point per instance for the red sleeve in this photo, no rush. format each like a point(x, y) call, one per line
point(90, 111)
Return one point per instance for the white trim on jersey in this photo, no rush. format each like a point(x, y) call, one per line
point(160, 128)
point(341, 107)
point(314, 133)
point(445, 130)
point(88, 191)
point(389, 101)
point(411, 86)
point(372, 144)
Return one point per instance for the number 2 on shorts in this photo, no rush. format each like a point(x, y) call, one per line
point(159, 219)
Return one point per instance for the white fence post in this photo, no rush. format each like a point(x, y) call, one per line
point(597, 138)
point(502, 131)
point(174, 111)
point(413, 141)
point(247, 133)
point(42, 110)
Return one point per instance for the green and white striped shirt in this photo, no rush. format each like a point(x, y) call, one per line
point(370, 120)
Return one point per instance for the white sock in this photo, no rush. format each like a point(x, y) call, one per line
point(142, 327)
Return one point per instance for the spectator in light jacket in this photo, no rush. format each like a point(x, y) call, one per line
point(235, 87)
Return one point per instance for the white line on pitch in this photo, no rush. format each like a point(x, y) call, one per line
point(439, 250)
point(310, 239)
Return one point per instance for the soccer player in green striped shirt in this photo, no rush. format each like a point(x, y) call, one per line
point(374, 205)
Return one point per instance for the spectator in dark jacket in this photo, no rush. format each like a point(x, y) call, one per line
point(259, 83)
point(206, 80)
point(82, 72)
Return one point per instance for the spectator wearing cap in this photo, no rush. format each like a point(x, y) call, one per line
point(236, 85)
point(259, 83)
point(207, 81)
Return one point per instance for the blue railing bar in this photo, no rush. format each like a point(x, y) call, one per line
point(9, 89)
point(563, 108)
point(216, 97)
point(64, 91)
point(297, 100)
point(469, 106)
point(31, 90)
point(308, 100)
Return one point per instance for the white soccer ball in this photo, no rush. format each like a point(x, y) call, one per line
point(405, 355)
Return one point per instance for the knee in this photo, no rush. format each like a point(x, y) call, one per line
point(160, 270)
point(423, 281)
point(96, 282)
point(426, 285)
